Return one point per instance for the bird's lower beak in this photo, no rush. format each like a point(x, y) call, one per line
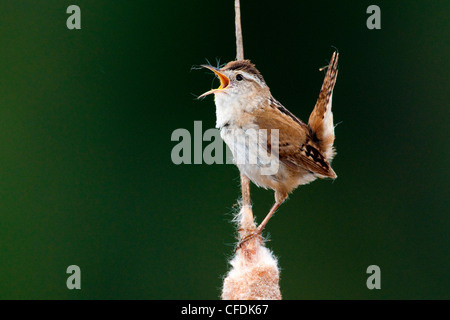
point(224, 81)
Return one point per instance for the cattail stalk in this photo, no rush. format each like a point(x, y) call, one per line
point(254, 273)
point(237, 19)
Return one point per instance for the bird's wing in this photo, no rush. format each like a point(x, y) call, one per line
point(296, 148)
point(307, 156)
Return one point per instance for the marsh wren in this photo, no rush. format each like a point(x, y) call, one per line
point(304, 152)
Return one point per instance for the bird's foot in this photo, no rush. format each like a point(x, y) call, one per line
point(248, 237)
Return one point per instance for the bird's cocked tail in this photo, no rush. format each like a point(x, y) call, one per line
point(321, 119)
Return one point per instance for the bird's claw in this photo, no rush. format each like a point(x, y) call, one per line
point(248, 237)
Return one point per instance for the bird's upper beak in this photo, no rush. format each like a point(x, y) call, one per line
point(224, 81)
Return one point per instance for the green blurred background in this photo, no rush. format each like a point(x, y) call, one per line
point(86, 177)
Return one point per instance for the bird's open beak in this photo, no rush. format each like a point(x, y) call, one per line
point(224, 81)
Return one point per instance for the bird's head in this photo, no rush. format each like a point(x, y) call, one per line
point(237, 79)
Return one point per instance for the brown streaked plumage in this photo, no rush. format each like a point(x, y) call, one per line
point(243, 65)
point(302, 153)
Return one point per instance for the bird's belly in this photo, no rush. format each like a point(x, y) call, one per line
point(264, 169)
point(251, 157)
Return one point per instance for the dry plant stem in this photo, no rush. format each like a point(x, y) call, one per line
point(247, 224)
point(254, 274)
point(239, 44)
point(245, 187)
point(246, 203)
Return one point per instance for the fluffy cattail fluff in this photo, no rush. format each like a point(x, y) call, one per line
point(254, 273)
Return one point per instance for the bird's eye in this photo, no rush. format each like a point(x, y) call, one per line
point(239, 77)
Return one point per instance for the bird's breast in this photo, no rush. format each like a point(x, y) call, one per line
point(228, 109)
point(235, 109)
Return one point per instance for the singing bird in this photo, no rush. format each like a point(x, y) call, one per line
point(302, 153)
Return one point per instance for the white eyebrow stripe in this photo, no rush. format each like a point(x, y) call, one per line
point(252, 77)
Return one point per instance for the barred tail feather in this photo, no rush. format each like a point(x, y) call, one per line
point(321, 119)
